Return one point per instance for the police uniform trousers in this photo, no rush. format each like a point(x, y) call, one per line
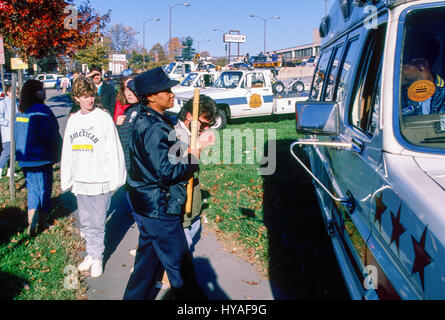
point(162, 245)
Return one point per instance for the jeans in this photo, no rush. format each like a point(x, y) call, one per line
point(193, 233)
point(5, 155)
point(92, 214)
point(39, 182)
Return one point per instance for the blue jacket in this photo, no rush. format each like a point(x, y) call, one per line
point(157, 185)
point(37, 138)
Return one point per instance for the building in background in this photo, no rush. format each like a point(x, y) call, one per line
point(118, 63)
point(302, 52)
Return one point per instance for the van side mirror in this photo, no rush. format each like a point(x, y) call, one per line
point(317, 117)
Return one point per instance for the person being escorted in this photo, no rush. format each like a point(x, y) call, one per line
point(37, 147)
point(107, 93)
point(206, 119)
point(5, 129)
point(157, 190)
point(92, 167)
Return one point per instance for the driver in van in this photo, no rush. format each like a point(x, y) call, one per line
point(423, 91)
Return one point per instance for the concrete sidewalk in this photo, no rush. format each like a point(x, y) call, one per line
point(222, 275)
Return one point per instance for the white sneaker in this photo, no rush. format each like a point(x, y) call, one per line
point(96, 268)
point(86, 264)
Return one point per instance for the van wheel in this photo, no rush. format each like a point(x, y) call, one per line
point(278, 87)
point(221, 120)
point(298, 86)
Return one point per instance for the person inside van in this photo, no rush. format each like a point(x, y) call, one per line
point(423, 91)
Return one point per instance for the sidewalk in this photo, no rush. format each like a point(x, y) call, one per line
point(222, 275)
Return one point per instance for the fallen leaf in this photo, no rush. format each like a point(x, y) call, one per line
point(53, 251)
point(252, 283)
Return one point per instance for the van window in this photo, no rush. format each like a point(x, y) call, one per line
point(320, 75)
point(332, 79)
point(366, 98)
point(253, 80)
point(422, 87)
point(346, 69)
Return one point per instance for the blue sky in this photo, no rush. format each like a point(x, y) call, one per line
point(297, 20)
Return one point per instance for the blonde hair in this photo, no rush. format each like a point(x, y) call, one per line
point(84, 87)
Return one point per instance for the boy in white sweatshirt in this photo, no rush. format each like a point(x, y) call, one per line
point(93, 167)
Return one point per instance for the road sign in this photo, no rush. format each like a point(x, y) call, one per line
point(2, 52)
point(17, 63)
point(234, 38)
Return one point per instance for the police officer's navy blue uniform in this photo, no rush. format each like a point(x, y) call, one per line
point(157, 190)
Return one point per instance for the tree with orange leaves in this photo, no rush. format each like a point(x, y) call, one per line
point(37, 28)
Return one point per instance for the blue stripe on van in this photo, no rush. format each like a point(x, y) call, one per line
point(232, 101)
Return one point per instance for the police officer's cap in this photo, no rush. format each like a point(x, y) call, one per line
point(151, 81)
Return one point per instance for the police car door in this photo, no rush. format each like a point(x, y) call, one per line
point(258, 95)
point(354, 170)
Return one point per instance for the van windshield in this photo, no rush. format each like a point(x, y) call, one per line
point(422, 86)
point(188, 81)
point(169, 67)
point(229, 79)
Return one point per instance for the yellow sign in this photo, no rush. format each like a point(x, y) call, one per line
point(421, 90)
point(255, 101)
point(17, 63)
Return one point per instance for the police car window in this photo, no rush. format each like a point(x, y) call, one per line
point(346, 69)
point(365, 103)
point(320, 75)
point(332, 79)
point(422, 86)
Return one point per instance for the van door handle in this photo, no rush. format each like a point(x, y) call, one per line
point(357, 145)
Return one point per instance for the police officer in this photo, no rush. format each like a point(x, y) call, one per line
point(157, 190)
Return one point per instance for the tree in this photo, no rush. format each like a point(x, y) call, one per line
point(122, 38)
point(157, 53)
point(94, 55)
point(41, 27)
point(175, 48)
point(135, 62)
point(187, 51)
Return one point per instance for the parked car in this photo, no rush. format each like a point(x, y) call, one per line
point(49, 80)
point(376, 146)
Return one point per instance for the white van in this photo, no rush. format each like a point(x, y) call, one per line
point(375, 121)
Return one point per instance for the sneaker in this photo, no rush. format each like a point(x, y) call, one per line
point(96, 268)
point(86, 264)
point(133, 252)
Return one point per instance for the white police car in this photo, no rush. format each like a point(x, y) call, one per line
point(376, 147)
point(49, 80)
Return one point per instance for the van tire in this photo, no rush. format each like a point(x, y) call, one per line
point(221, 120)
point(298, 86)
point(278, 87)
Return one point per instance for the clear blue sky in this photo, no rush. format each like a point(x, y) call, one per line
point(297, 20)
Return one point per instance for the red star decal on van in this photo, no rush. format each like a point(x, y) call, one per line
point(379, 210)
point(422, 258)
point(397, 228)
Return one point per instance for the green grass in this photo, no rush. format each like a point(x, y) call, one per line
point(273, 221)
point(236, 191)
point(33, 268)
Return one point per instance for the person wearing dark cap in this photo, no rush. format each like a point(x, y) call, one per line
point(423, 91)
point(106, 92)
point(157, 191)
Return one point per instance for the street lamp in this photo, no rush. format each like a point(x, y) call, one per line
point(200, 41)
point(170, 30)
point(264, 20)
point(143, 40)
point(225, 43)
